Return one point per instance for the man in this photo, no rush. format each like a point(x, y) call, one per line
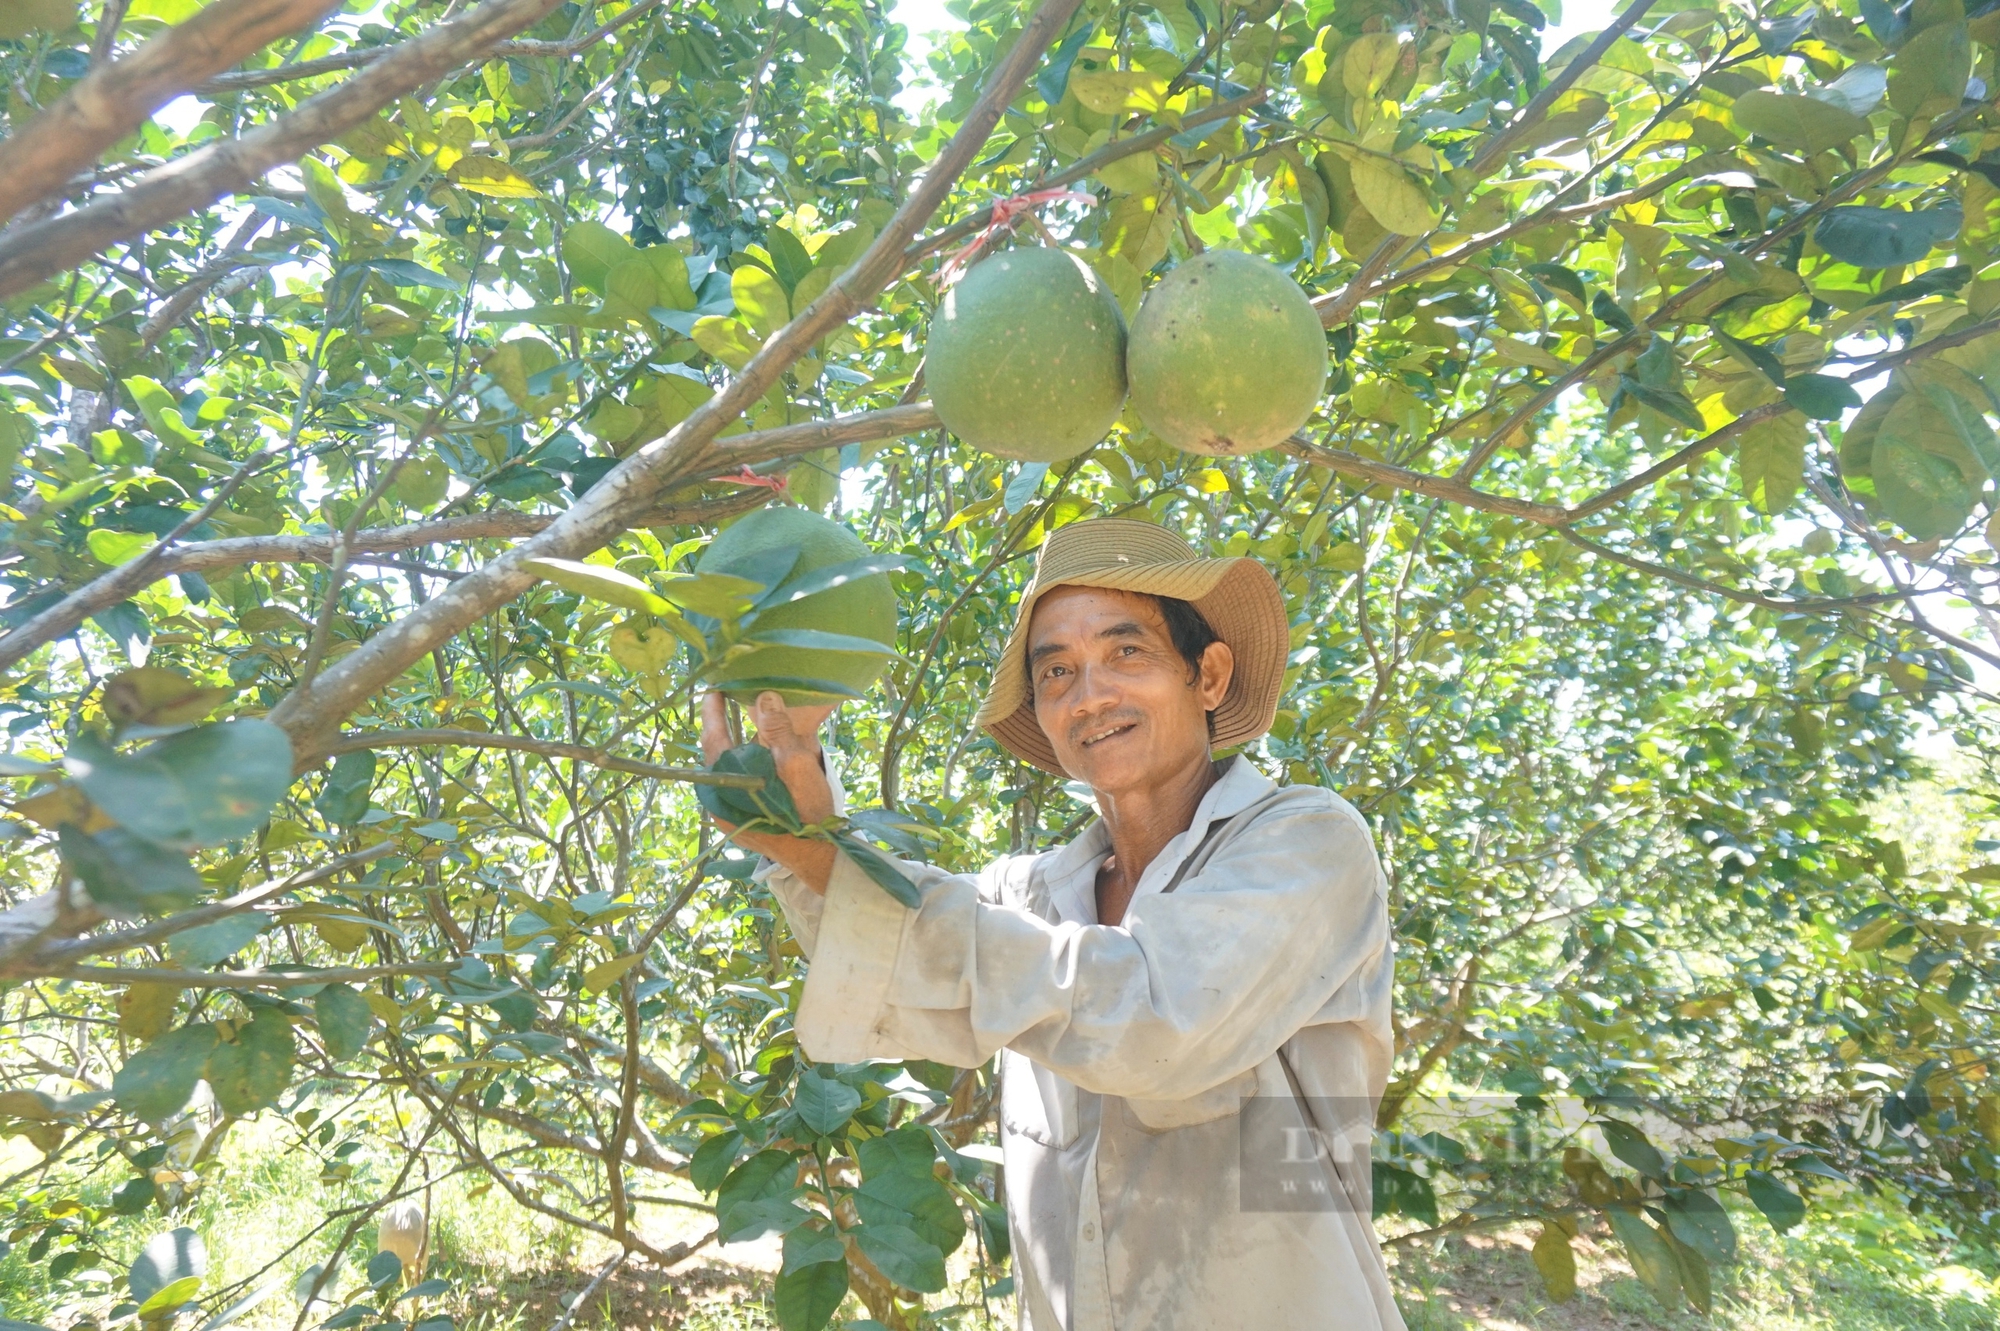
point(1190, 1001)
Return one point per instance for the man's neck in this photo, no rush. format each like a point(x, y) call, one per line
point(1142, 822)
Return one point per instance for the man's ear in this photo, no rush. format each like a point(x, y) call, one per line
point(1218, 667)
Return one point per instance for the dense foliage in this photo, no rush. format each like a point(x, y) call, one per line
point(354, 636)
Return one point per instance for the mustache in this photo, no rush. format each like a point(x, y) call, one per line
point(1097, 725)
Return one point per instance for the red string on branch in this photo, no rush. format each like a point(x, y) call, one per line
point(744, 476)
point(1006, 213)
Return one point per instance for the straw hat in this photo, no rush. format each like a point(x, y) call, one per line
point(1238, 597)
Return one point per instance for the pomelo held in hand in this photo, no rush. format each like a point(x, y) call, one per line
point(1227, 355)
point(1026, 356)
point(862, 607)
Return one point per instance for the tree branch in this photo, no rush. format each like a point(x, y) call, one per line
point(223, 84)
point(311, 714)
point(1085, 166)
point(1423, 483)
point(1341, 308)
point(355, 741)
point(248, 979)
point(188, 184)
point(112, 101)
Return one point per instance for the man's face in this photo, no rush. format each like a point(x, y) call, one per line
point(1122, 709)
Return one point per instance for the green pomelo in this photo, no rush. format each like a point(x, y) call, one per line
point(1227, 355)
point(1026, 357)
point(862, 608)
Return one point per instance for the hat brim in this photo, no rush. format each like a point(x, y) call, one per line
point(1238, 597)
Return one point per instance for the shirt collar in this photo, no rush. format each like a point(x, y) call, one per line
point(1072, 871)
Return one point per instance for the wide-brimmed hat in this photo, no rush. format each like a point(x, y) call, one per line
point(1238, 597)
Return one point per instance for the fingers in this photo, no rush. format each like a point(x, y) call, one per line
point(714, 726)
point(775, 725)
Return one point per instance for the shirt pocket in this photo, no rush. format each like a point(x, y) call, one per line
point(1205, 1107)
point(1036, 1103)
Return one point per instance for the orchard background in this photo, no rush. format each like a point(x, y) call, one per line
point(1641, 560)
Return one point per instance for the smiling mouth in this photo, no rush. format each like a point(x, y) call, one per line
point(1111, 733)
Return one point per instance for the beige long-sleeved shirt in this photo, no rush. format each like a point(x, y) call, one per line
point(1186, 1097)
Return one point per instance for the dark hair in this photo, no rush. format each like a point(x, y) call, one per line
point(1191, 635)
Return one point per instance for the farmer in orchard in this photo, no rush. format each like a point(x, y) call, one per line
point(1190, 1001)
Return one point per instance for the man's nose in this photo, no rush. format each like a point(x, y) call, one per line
point(1096, 691)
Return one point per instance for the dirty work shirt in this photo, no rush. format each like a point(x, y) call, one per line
point(1129, 1053)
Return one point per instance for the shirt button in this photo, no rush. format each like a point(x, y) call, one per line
point(1090, 1233)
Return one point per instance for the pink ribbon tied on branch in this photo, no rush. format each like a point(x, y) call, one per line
point(744, 476)
point(1006, 212)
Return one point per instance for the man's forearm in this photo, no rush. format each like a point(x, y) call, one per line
point(810, 861)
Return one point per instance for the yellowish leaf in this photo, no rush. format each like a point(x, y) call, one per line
point(492, 177)
point(1391, 197)
point(1109, 91)
point(607, 973)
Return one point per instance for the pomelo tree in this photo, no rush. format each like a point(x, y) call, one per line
point(366, 425)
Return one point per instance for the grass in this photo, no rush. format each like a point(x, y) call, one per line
point(510, 1270)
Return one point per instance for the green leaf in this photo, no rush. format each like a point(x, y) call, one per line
point(809, 1245)
point(717, 595)
point(599, 582)
point(155, 1083)
point(1931, 283)
point(1630, 1145)
point(166, 1260)
point(344, 798)
point(120, 869)
point(824, 1105)
point(171, 1296)
point(920, 1204)
point(592, 250)
point(1399, 1191)
point(728, 340)
point(253, 1071)
point(118, 547)
point(205, 786)
point(1966, 420)
point(1804, 124)
point(1780, 1205)
point(1699, 1221)
point(1885, 237)
point(1761, 359)
point(1652, 1260)
point(1692, 1268)
point(1667, 402)
point(1928, 76)
point(760, 301)
point(713, 1159)
point(344, 1019)
point(410, 273)
point(881, 870)
point(1821, 397)
point(1921, 485)
point(769, 1173)
point(822, 641)
point(422, 483)
point(837, 575)
point(807, 1297)
point(907, 1150)
point(754, 1219)
point(900, 1255)
point(207, 944)
point(1771, 462)
point(631, 290)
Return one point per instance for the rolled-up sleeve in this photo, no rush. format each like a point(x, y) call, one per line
point(1196, 987)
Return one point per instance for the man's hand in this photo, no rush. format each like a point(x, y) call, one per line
point(792, 736)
